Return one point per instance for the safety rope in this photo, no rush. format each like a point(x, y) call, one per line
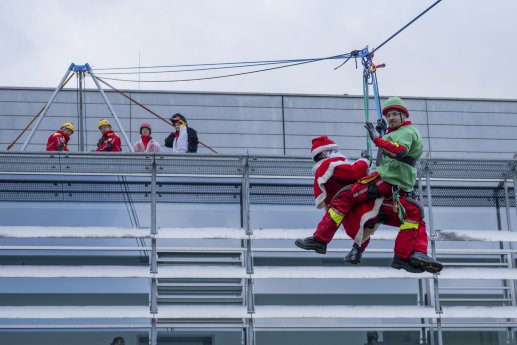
point(194, 69)
point(249, 63)
point(404, 27)
point(243, 64)
point(147, 109)
point(366, 97)
point(35, 117)
point(370, 78)
point(343, 56)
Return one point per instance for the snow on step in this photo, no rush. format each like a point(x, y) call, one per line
point(71, 232)
point(74, 312)
point(202, 312)
point(318, 311)
point(26, 271)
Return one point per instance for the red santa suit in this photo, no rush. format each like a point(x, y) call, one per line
point(58, 141)
point(109, 142)
point(330, 176)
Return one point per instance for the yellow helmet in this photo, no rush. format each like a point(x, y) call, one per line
point(68, 125)
point(103, 122)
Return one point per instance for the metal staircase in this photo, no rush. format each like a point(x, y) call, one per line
point(199, 290)
point(197, 286)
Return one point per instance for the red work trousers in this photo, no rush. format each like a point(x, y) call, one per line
point(412, 235)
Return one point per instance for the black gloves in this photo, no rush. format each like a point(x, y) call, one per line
point(371, 131)
point(381, 126)
point(365, 155)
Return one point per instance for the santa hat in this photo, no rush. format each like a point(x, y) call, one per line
point(321, 144)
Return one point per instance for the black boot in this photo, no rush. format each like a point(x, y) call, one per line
point(310, 243)
point(355, 255)
point(426, 262)
point(399, 263)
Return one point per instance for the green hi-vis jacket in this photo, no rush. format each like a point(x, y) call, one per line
point(394, 171)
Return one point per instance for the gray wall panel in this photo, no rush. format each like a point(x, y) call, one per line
point(239, 123)
point(206, 99)
point(474, 145)
point(472, 106)
point(473, 132)
point(479, 119)
point(323, 115)
point(334, 129)
point(25, 95)
point(323, 102)
point(211, 113)
point(338, 115)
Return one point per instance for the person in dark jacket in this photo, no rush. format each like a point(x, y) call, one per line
point(183, 139)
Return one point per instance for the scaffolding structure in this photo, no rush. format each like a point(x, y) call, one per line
point(228, 274)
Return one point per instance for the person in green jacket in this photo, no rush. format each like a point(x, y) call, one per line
point(395, 177)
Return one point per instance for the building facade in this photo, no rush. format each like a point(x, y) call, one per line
point(198, 249)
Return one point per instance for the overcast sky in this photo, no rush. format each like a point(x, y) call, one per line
point(461, 48)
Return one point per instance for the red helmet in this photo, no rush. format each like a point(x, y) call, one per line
point(145, 125)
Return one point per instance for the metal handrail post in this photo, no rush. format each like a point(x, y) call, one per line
point(250, 332)
point(153, 336)
point(110, 107)
point(246, 196)
point(422, 284)
point(245, 218)
point(49, 103)
point(437, 304)
point(153, 339)
point(511, 255)
point(154, 229)
point(245, 214)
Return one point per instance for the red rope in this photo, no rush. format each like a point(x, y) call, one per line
point(145, 108)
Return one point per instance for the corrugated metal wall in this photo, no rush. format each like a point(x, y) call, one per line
point(268, 124)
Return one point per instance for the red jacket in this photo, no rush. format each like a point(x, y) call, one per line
point(332, 174)
point(109, 142)
point(58, 141)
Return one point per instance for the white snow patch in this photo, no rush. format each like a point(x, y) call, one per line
point(477, 235)
point(74, 312)
point(201, 233)
point(334, 273)
point(24, 271)
point(206, 311)
point(318, 311)
point(480, 312)
point(71, 232)
point(208, 271)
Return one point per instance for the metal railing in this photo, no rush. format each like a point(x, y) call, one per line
point(246, 180)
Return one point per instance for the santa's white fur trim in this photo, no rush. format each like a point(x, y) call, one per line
point(320, 149)
point(366, 217)
point(320, 199)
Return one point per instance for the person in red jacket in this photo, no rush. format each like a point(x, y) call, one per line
point(332, 172)
point(58, 141)
point(334, 175)
point(109, 141)
point(394, 179)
